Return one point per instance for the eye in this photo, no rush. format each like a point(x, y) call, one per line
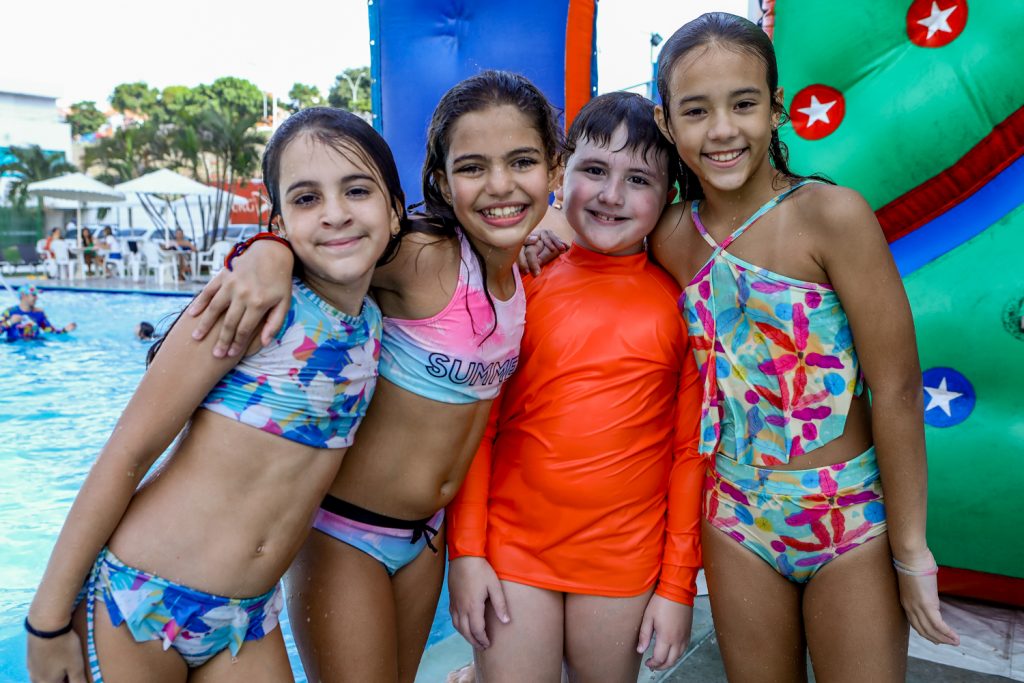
point(694, 112)
point(358, 192)
point(596, 171)
point(638, 180)
point(468, 169)
point(304, 199)
point(524, 163)
point(746, 104)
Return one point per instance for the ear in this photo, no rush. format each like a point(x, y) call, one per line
point(778, 106)
point(555, 178)
point(662, 121)
point(441, 179)
point(396, 223)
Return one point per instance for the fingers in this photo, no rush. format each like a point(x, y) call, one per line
point(274, 321)
point(553, 242)
point(646, 631)
point(663, 656)
point(533, 262)
point(930, 625)
point(498, 603)
point(203, 299)
point(478, 627)
point(212, 310)
point(228, 327)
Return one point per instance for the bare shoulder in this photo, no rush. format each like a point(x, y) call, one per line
point(670, 236)
point(419, 253)
point(832, 209)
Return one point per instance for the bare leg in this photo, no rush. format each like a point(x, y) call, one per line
point(259, 661)
point(529, 647)
point(416, 588)
point(341, 609)
point(852, 614)
point(601, 636)
point(121, 658)
point(756, 612)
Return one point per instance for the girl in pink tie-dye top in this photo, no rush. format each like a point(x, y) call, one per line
point(793, 305)
point(453, 317)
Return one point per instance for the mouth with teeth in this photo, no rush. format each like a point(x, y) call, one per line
point(605, 217)
point(725, 157)
point(502, 216)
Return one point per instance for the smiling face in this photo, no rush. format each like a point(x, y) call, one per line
point(335, 214)
point(496, 177)
point(721, 117)
point(613, 195)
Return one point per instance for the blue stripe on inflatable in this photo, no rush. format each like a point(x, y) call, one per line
point(424, 47)
point(971, 217)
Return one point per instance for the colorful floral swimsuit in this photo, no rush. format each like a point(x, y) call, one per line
point(779, 373)
point(312, 384)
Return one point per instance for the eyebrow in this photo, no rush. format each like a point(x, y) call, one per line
point(518, 151)
point(735, 93)
point(347, 179)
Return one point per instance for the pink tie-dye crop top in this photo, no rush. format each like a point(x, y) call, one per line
point(464, 353)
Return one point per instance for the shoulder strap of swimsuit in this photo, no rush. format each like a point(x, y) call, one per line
point(700, 226)
point(765, 208)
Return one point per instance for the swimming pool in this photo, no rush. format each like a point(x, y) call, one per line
point(59, 401)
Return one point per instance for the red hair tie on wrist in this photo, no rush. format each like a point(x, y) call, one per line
point(242, 246)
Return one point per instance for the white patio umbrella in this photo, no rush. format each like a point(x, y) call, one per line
point(171, 188)
point(78, 188)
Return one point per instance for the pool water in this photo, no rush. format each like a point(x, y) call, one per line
point(59, 401)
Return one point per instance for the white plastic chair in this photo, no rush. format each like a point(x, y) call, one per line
point(62, 259)
point(159, 262)
point(213, 258)
point(119, 262)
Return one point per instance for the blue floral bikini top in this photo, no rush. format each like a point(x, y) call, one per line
point(313, 382)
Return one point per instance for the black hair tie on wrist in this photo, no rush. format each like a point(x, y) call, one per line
point(48, 635)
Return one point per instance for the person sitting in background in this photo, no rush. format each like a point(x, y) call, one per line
point(89, 252)
point(184, 246)
point(111, 246)
point(25, 321)
point(55, 234)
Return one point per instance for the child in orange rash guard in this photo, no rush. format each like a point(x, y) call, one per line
point(579, 518)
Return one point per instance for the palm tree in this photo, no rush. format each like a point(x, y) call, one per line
point(127, 154)
point(31, 164)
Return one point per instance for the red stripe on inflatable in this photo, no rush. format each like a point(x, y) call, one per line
point(1000, 148)
point(579, 52)
point(967, 583)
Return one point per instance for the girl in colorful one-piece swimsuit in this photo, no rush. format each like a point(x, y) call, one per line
point(794, 308)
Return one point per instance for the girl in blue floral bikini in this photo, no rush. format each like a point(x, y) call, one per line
point(164, 565)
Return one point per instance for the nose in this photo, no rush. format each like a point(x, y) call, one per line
point(722, 127)
point(611, 192)
point(499, 182)
point(335, 212)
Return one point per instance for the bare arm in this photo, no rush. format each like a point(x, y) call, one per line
point(859, 264)
point(183, 372)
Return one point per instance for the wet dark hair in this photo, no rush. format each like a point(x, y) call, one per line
point(598, 120)
point(349, 135)
point(146, 330)
point(732, 33)
point(484, 90)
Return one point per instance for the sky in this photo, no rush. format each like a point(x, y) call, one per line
point(56, 48)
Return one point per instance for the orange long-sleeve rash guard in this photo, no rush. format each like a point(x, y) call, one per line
point(588, 478)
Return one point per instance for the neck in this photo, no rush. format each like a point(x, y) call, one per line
point(501, 281)
point(735, 206)
point(347, 298)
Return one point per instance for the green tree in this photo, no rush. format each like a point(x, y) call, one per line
point(130, 152)
point(302, 96)
point(351, 90)
point(31, 164)
point(135, 97)
point(85, 118)
point(177, 101)
point(235, 97)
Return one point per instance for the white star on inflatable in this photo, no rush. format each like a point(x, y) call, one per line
point(818, 111)
point(937, 20)
point(941, 397)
